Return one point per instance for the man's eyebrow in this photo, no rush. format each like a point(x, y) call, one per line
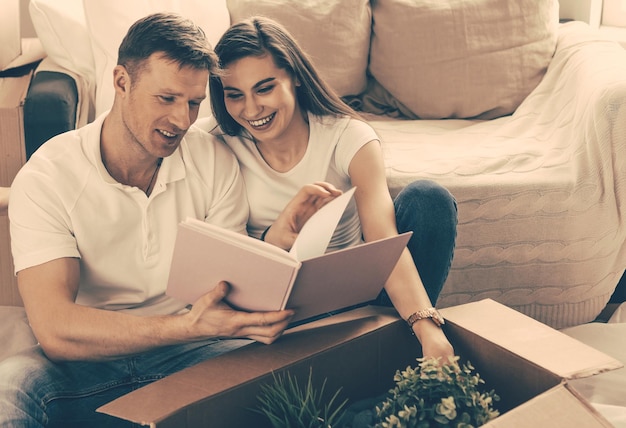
point(173, 93)
point(166, 91)
point(256, 85)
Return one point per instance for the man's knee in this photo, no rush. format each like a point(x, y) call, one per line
point(23, 381)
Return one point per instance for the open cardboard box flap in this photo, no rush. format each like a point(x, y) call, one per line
point(529, 360)
point(527, 363)
point(533, 341)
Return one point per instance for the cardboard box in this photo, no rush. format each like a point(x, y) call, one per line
point(11, 46)
point(526, 362)
point(12, 156)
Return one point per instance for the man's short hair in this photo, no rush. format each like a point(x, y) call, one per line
point(177, 38)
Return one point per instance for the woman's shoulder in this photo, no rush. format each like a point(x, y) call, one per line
point(340, 122)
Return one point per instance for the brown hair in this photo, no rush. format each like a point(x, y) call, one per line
point(178, 38)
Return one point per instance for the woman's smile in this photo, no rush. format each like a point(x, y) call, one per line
point(260, 123)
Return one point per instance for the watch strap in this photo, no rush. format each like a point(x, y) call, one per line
point(431, 313)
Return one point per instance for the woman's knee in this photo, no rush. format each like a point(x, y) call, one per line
point(428, 203)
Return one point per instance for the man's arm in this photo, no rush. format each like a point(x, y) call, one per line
point(68, 331)
point(4, 200)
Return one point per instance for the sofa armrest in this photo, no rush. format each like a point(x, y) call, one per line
point(587, 67)
point(50, 108)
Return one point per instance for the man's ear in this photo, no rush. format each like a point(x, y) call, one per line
point(121, 79)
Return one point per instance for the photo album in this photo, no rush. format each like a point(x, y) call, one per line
point(264, 277)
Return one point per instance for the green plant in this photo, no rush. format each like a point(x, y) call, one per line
point(287, 405)
point(436, 394)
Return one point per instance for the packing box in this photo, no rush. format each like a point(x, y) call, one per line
point(527, 363)
point(12, 156)
point(11, 46)
point(13, 91)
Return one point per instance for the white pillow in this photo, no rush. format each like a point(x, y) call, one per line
point(459, 58)
point(62, 30)
point(334, 33)
point(108, 21)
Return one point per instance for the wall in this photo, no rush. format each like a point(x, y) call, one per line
point(581, 10)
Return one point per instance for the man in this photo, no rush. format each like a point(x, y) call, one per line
point(4, 199)
point(94, 215)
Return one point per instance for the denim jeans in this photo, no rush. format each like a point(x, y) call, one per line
point(35, 392)
point(429, 211)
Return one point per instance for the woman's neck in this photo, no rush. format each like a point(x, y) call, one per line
point(286, 151)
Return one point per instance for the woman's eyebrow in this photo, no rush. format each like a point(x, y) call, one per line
point(256, 85)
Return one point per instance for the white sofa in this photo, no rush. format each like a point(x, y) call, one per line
point(523, 119)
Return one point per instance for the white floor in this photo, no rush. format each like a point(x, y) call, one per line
point(606, 391)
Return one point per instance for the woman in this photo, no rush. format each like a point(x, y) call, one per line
point(288, 128)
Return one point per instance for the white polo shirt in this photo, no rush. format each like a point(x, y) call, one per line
point(64, 203)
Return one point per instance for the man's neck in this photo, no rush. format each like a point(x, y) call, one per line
point(122, 163)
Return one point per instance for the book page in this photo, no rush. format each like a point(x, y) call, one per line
point(316, 233)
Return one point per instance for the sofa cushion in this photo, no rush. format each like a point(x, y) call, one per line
point(109, 21)
point(15, 331)
point(62, 30)
point(459, 58)
point(335, 34)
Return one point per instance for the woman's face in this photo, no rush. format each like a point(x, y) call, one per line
point(262, 98)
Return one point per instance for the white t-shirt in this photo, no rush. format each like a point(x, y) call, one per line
point(64, 203)
point(333, 142)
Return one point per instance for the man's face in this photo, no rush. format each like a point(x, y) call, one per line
point(161, 103)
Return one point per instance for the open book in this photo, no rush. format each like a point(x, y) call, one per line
point(264, 277)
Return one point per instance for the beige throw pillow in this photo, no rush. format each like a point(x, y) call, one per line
point(461, 58)
point(335, 34)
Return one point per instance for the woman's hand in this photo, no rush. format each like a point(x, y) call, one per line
point(307, 202)
point(434, 341)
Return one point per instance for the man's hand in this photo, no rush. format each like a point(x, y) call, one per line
point(307, 202)
point(211, 317)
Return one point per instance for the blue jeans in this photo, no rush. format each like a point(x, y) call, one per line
point(35, 392)
point(429, 211)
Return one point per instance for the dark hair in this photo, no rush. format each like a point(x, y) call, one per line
point(178, 38)
point(258, 36)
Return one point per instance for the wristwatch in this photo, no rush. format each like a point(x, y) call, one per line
point(431, 313)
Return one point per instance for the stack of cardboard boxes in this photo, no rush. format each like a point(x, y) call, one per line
point(12, 152)
point(18, 59)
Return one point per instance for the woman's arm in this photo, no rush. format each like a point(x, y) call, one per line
point(377, 216)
